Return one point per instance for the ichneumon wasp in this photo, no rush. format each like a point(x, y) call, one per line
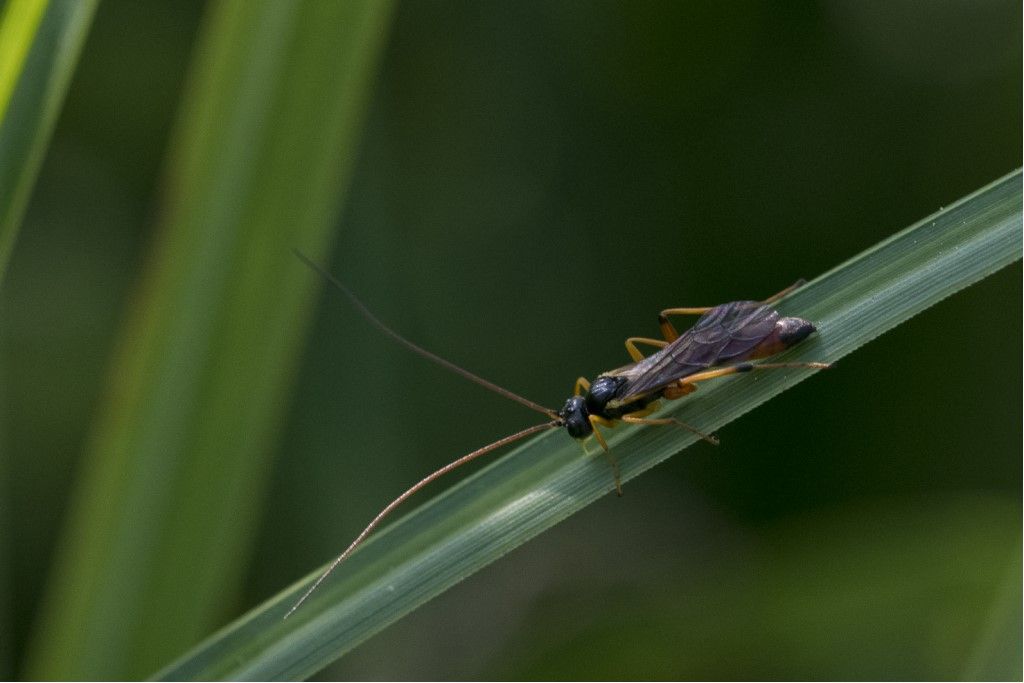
point(723, 341)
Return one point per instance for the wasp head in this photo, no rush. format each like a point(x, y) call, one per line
point(575, 418)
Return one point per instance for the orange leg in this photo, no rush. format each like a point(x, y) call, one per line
point(635, 353)
point(668, 330)
point(678, 390)
point(786, 292)
point(594, 422)
point(710, 438)
point(688, 385)
point(743, 367)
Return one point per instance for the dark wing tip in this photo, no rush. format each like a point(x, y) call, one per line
point(792, 331)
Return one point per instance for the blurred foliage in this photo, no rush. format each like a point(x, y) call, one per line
point(175, 469)
point(40, 41)
point(557, 173)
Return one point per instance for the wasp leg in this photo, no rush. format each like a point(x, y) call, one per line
point(633, 419)
point(596, 420)
point(668, 330)
point(679, 389)
point(744, 367)
point(635, 353)
point(615, 472)
point(786, 292)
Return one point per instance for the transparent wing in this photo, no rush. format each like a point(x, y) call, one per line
point(723, 335)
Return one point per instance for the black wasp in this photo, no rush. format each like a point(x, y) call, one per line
point(723, 341)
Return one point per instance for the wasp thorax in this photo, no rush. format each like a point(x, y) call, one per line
point(575, 417)
point(604, 389)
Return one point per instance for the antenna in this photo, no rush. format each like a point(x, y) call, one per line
point(417, 349)
point(405, 496)
point(556, 421)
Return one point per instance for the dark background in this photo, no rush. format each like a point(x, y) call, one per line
point(536, 181)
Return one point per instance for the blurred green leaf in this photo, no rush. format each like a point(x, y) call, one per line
point(40, 41)
point(815, 608)
point(545, 480)
point(997, 652)
point(172, 483)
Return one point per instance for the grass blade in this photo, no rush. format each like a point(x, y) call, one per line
point(171, 487)
point(545, 480)
point(40, 41)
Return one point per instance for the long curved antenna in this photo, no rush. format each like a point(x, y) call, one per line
point(405, 496)
point(419, 350)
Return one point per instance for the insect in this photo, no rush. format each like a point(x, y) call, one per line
point(723, 341)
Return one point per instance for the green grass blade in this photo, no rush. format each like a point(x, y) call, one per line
point(175, 471)
point(996, 656)
point(40, 41)
point(545, 480)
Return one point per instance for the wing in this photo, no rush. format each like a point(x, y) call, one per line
point(724, 334)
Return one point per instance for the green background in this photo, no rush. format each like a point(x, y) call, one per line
point(535, 181)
